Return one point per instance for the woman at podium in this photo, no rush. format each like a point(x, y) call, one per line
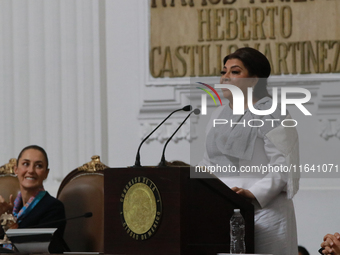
point(34, 207)
point(260, 148)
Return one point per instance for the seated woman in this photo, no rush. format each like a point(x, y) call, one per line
point(34, 207)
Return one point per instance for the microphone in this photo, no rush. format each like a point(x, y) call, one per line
point(137, 162)
point(86, 215)
point(162, 163)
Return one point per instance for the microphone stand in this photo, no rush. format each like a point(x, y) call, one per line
point(137, 162)
point(162, 163)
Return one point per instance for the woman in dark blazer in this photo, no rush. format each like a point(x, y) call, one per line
point(34, 207)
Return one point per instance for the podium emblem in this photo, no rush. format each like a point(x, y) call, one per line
point(141, 208)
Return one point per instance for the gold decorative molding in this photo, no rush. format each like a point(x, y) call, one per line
point(94, 165)
point(9, 167)
point(7, 220)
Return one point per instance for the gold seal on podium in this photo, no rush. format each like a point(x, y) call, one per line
point(141, 208)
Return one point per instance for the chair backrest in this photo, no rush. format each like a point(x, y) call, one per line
point(81, 191)
point(9, 183)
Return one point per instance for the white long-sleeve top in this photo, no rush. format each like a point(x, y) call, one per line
point(275, 226)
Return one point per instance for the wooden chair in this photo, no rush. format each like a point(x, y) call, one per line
point(81, 191)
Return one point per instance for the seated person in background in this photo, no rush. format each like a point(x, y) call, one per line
point(34, 207)
point(302, 250)
point(331, 244)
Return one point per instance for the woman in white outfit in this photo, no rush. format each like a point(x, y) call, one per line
point(270, 145)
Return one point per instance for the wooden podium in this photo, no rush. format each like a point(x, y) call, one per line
point(192, 215)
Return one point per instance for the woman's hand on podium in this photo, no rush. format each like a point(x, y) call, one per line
point(331, 244)
point(243, 192)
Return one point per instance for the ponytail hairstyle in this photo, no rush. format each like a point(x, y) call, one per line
point(257, 65)
point(35, 147)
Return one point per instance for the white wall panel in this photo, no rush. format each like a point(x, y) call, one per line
point(51, 81)
point(52, 28)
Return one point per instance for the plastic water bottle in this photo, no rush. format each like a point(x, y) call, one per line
point(237, 231)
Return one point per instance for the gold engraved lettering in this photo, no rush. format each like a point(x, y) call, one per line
point(262, 1)
point(205, 21)
point(152, 62)
point(191, 3)
point(336, 55)
point(191, 49)
point(167, 63)
point(301, 48)
point(281, 58)
point(272, 11)
point(258, 19)
point(207, 60)
point(231, 24)
point(153, 4)
point(182, 60)
point(199, 50)
point(216, 24)
point(244, 13)
point(214, 1)
point(311, 56)
point(292, 49)
point(286, 21)
point(323, 56)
